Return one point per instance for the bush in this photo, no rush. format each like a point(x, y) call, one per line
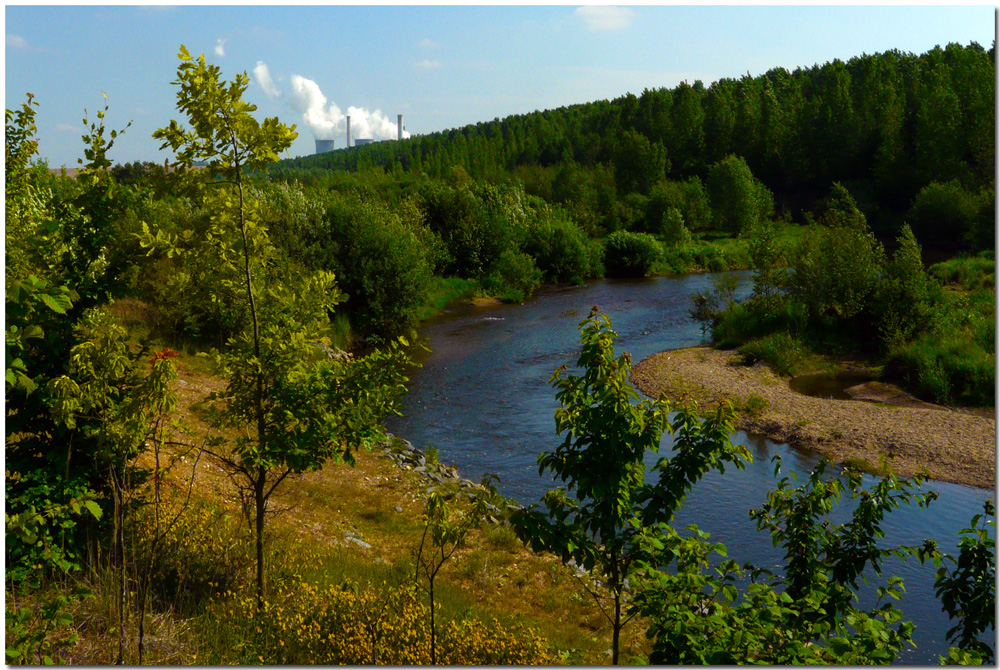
point(948, 369)
point(562, 251)
point(688, 197)
point(380, 263)
point(738, 199)
point(513, 277)
point(630, 254)
point(385, 624)
point(784, 353)
point(968, 272)
point(945, 216)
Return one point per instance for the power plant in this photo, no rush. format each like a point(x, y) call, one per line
point(323, 146)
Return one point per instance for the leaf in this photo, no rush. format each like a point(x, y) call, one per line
point(93, 508)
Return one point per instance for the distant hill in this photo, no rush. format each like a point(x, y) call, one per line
point(885, 124)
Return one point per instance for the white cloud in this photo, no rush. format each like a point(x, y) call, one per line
point(16, 42)
point(66, 128)
point(263, 78)
point(605, 17)
point(220, 47)
point(427, 43)
point(428, 64)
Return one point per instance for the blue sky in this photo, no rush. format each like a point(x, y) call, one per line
point(440, 66)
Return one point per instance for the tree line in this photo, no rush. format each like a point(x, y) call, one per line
point(886, 125)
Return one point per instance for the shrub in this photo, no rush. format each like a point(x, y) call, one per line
point(738, 199)
point(203, 556)
point(354, 625)
point(784, 353)
point(630, 254)
point(513, 277)
point(380, 263)
point(968, 272)
point(948, 368)
point(944, 215)
point(562, 251)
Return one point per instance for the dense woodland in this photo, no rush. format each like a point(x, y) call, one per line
point(861, 195)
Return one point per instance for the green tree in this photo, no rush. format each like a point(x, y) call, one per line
point(294, 407)
point(738, 200)
point(766, 259)
point(837, 266)
point(907, 299)
point(967, 589)
point(608, 432)
point(807, 615)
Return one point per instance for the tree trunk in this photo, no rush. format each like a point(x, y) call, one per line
point(260, 504)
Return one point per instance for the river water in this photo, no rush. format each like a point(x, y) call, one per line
point(483, 399)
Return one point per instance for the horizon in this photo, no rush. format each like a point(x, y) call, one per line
point(442, 67)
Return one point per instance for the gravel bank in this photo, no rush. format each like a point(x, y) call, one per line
point(951, 445)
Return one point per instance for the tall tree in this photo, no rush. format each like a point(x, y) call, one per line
point(608, 432)
point(293, 407)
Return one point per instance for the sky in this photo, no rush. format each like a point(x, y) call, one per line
point(441, 66)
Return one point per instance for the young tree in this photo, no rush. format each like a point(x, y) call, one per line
point(739, 200)
point(809, 614)
point(607, 434)
point(293, 407)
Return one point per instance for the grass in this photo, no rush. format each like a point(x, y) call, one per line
point(786, 354)
point(968, 273)
point(206, 567)
point(444, 291)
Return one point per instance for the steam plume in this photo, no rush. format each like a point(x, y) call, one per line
point(326, 121)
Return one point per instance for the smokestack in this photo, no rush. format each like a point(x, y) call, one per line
point(323, 146)
point(348, 131)
point(399, 126)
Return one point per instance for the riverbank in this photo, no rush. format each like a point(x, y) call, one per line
point(951, 445)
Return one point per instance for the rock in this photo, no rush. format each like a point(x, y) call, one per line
point(398, 508)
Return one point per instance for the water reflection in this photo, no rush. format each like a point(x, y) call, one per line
point(483, 399)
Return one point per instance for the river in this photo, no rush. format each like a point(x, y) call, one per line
point(483, 399)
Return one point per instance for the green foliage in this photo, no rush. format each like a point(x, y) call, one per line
point(949, 216)
point(292, 408)
point(807, 615)
point(561, 249)
point(837, 266)
point(608, 431)
point(967, 272)
point(766, 258)
point(630, 254)
point(739, 201)
point(907, 301)
point(784, 353)
point(35, 635)
point(967, 590)
point(673, 230)
point(513, 277)
point(382, 263)
point(687, 197)
point(446, 535)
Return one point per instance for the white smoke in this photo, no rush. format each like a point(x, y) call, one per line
point(263, 77)
point(328, 121)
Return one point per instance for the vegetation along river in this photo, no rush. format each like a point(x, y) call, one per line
point(482, 398)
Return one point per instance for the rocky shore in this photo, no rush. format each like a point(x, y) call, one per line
point(948, 444)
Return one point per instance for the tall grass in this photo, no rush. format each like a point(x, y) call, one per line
point(784, 353)
point(442, 292)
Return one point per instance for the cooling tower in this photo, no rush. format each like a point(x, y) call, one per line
point(399, 126)
point(323, 146)
point(348, 131)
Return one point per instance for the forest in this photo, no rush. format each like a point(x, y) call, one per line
point(236, 311)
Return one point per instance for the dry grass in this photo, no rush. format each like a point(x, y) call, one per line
point(315, 514)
